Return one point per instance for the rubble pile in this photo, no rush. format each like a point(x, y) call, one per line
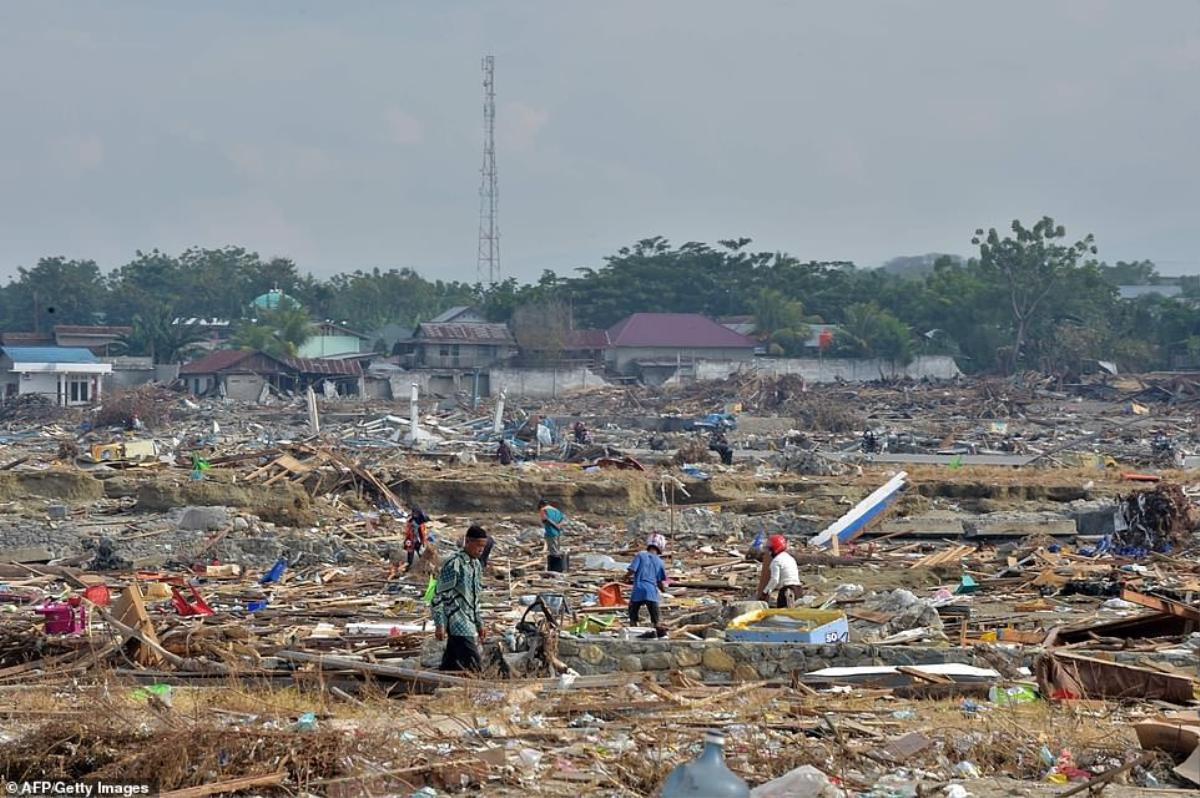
point(147, 406)
point(228, 583)
point(1155, 520)
point(30, 409)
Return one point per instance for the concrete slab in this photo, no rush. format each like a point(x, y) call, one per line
point(1020, 525)
point(26, 554)
point(934, 525)
point(944, 459)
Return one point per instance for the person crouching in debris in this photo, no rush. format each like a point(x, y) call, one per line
point(552, 519)
point(504, 453)
point(785, 575)
point(582, 434)
point(718, 443)
point(648, 576)
point(416, 534)
point(456, 605)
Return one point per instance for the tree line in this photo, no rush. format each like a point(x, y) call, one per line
point(1030, 297)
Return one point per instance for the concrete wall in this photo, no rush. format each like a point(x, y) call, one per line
point(326, 345)
point(539, 383)
point(516, 383)
point(621, 358)
point(470, 355)
point(243, 387)
point(938, 367)
point(437, 382)
point(166, 373)
point(128, 372)
point(47, 385)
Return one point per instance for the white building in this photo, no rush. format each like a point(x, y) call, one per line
point(66, 375)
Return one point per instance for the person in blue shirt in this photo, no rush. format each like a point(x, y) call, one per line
point(648, 576)
point(552, 519)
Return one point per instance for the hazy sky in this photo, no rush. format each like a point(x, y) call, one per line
point(348, 135)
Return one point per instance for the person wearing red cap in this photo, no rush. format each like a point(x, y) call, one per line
point(785, 574)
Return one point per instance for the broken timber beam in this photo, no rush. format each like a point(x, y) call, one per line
point(431, 678)
point(1163, 605)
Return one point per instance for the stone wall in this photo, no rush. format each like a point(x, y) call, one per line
point(717, 660)
point(937, 367)
point(720, 661)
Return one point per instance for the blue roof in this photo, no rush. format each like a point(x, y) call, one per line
point(50, 354)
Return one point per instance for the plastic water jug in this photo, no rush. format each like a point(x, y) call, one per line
point(706, 776)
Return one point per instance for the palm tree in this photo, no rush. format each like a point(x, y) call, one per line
point(162, 336)
point(292, 325)
point(279, 332)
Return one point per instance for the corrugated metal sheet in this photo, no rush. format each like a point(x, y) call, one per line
point(470, 333)
point(225, 359)
point(588, 339)
point(220, 360)
point(325, 367)
point(91, 329)
point(454, 314)
point(27, 339)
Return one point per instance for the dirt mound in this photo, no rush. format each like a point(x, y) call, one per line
point(65, 486)
point(283, 503)
point(615, 493)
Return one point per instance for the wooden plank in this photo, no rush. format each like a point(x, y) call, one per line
point(1163, 605)
point(347, 663)
point(931, 678)
point(225, 787)
point(130, 617)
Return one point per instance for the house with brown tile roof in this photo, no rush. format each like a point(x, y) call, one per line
point(243, 374)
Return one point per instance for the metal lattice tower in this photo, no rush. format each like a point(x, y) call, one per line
point(488, 263)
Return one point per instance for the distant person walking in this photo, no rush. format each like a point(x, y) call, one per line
point(552, 519)
point(648, 576)
point(456, 610)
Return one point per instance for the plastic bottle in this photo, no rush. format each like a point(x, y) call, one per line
point(706, 776)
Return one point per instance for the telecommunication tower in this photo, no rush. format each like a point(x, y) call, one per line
point(488, 262)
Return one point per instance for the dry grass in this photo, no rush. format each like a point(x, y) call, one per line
point(231, 730)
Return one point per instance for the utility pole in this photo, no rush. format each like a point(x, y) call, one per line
point(487, 266)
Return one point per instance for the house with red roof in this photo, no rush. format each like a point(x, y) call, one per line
point(657, 345)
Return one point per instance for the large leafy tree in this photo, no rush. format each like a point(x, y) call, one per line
point(542, 330)
point(55, 291)
point(1029, 264)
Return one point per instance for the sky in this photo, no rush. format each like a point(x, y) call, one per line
point(349, 135)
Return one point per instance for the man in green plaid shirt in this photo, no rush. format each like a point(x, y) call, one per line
point(455, 607)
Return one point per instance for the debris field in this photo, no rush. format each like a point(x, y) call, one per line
point(998, 595)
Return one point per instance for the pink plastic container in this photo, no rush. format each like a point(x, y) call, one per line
point(62, 619)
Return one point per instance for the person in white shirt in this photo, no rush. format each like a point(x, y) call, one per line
point(785, 575)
